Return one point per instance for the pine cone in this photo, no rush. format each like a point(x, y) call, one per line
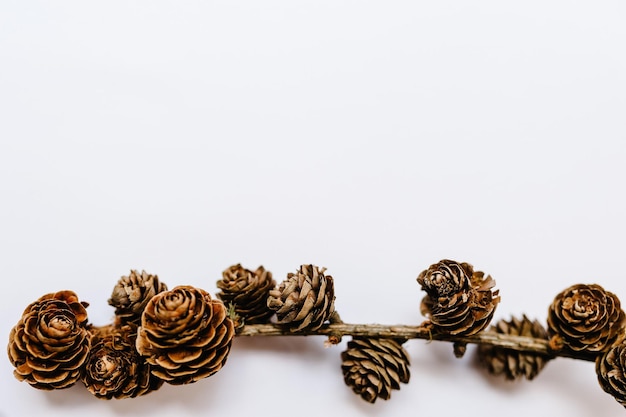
point(247, 291)
point(115, 369)
point(459, 300)
point(132, 293)
point(185, 335)
point(305, 300)
point(585, 318)
point(373, 367)
point(50, 343)
point(510, 363)
point(611, 371)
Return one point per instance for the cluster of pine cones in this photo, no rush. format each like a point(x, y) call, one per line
point(584, 320)
point(182, 335)
point(176, 336)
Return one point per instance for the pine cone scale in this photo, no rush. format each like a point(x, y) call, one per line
point(373, 367)
point(132, 293)
point(509, 363)
point(304, 300)
point(114, 368)
point(183, 356)
point(40, 365)
point(33, 350)
point(585, 318)
point(459, 300)
point(247, 291)
point(50, 343)
point(184, 347)
point(611, 371)
point(306, 306)
point(56, 378)
point(219, 336)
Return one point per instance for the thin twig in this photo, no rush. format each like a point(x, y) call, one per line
point(516, 343)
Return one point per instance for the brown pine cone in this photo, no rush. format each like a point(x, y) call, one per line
point(247, 292)
point(115, 369)
point(304, 300)
point(373, 367)
point(585, 318)
point(510, 363)
point(611, 371)
point(132, 293)
point(185, 335)
point(50, 343)
point(459, 300)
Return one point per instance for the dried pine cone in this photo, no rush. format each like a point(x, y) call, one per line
point(185, 335)
point(459, 300)
point(585, 318)
point(305, 300)
point(510, 363)
point(115, 369)
point(247, 291)
point(50, 343)
point(611, 371)
point(132, 293)
point(373, 367)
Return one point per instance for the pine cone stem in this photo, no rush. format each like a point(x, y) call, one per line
point(515, 343)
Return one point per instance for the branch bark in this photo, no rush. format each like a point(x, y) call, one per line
point(335, 330)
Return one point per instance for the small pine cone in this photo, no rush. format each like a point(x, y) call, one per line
point(305, 300)
point(611, 371)
point(132, 293)
point(585, 318)
point(459, 300)
point(50, 343)
point(513, 364)
point(115, 369)
point(247, 292)
point(185, 335)
point(373, 367)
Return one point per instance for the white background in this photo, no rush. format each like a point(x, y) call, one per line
point(372, 138)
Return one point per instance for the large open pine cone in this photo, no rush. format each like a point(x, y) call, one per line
point(132, 293)
point(50, 343)
point(458, 300)
point(305, 300)
point(185, 335)
point(611, 371)
point(510, 363)
point(372, 367)
point(247, 292)
point(115, 369)
point(585, 318)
